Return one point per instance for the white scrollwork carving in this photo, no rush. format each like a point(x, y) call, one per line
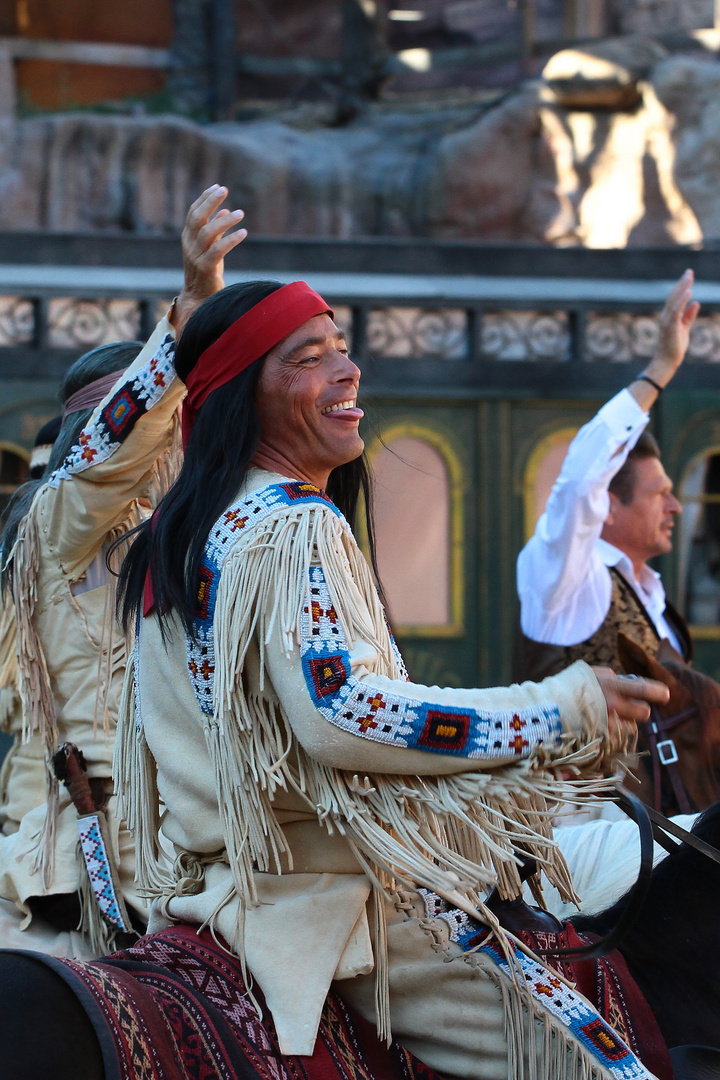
point(417, 332)
point(17, 320)
point(525, 335)
point(88, 323)
point(623, 337)
point(705, 339)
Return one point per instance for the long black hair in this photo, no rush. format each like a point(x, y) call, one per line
point(92, 365)
point(222, 444)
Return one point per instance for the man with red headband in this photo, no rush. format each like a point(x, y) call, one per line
point(330, 823)
point(69, 656)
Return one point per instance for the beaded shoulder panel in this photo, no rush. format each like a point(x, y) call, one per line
point(242, 515)
point(133, 399)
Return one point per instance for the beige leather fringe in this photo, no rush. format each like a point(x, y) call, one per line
point(455, 834)
point(135, 776)
point(9, 695)
point(33, 678)
point(540, 1046)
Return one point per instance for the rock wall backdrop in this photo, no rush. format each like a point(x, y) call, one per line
point(617, 144)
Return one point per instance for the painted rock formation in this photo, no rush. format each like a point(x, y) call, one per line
point(618, 144)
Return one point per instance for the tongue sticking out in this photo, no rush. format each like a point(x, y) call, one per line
point(345, 414)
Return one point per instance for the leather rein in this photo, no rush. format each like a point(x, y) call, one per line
point(663, 754)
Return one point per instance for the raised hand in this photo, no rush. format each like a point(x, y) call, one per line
point(676, 319)
point(205, 243)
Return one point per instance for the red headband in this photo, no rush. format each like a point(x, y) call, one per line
point(250, 337)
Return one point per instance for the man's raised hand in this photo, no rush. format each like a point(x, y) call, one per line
point(676, 319)
point(205, 243)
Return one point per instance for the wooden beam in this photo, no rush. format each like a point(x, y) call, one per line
point(586, 18)
point(85, 52)
point(223, 49)
point(364, 53)
point(7, 86)
point(528, 16)
point(190, 77)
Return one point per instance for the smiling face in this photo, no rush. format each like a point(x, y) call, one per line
point(307, 403)
point(643, 527)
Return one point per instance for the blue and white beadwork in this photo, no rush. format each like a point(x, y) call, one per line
point(133, 399)
point(399, 719)
point(466, 932)
point(577, 1014)
point(573, 1010)
point(99, 868)
point(242, 515)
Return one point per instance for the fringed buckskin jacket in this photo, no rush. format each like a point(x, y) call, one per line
point(69, 656)
point(22, 776)
point(299, 771)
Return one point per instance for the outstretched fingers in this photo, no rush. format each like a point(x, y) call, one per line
point(215, 236)
point(679, 297)
point(206, 223)
point(208, 235)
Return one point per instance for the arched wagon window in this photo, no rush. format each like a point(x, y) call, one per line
point(418, 522)
point(541, 472)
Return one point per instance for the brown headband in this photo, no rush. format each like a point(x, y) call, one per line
point(87, 397)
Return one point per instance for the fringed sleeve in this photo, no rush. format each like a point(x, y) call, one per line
point(9, 698)
point(115, 459)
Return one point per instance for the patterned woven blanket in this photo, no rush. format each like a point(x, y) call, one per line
point(175, 1007)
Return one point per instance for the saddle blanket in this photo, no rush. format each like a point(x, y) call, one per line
point(175, 1006)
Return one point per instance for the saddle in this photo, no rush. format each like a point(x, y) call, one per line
point(695, 1062)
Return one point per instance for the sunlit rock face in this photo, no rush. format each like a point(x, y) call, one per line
point(544, 167)
point(616, 146)
point(603, 74)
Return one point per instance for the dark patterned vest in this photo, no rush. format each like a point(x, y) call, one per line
point(535, 660)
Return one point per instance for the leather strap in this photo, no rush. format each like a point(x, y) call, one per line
point(661, 824)
point(659, 725)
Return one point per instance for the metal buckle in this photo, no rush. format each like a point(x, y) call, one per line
point(666, 752)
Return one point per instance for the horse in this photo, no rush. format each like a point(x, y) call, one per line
point(670, 951)
point(689, 731)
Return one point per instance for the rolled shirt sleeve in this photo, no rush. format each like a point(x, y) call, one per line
point(563, 584)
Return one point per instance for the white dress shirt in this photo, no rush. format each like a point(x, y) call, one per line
point(563, 577)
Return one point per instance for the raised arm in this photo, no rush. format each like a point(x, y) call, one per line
point(110, 466)
point(563, 585)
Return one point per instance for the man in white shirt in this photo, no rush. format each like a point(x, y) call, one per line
point(583, 575)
